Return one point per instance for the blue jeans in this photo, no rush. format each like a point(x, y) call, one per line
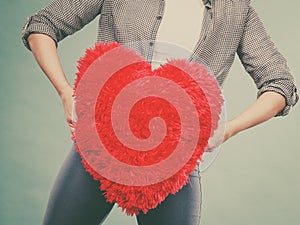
point(76, 199)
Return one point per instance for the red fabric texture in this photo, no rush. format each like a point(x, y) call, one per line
point(205, 97)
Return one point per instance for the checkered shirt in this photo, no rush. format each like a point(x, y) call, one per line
point(229, 27)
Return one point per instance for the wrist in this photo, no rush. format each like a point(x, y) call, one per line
point(232, 128)
point(65, 91)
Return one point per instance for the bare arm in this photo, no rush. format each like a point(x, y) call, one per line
point(266, 106)
point(42, 32)
point(277, 92)
point(44, 50)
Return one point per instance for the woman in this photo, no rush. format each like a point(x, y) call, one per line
point(225, 28)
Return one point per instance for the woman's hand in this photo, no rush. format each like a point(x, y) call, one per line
point(268, 105)
point(223, 133)
point(68, 104)
point(44, 50)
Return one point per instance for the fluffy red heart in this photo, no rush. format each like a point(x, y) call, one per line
point(94, 126)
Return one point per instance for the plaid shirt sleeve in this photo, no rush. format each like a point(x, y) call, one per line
point(61, 18)
point(265, 64)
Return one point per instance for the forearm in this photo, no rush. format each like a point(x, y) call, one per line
point(264, 108)
point(44, 50)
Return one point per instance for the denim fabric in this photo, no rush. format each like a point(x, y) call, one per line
point(75, 199)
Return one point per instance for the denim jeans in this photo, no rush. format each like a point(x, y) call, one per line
point(76, 199)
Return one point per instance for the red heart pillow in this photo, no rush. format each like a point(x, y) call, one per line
point(141, 132)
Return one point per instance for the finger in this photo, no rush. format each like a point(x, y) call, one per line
point(71, 124)
point(70, 120)
point(72, 128)
point(208, 149)
point(73, 113)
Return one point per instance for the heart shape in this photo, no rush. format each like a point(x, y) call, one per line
point(141, 132)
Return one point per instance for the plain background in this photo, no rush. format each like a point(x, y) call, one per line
point(254, 180)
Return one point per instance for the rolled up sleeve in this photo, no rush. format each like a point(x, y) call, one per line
point(61, 18)
point(265, 64)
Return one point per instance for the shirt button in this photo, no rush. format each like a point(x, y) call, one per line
point(159, 17)
point(151, 43)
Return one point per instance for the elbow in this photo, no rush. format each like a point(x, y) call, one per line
point(285, 92)
point(40, 39)
point(35, 30)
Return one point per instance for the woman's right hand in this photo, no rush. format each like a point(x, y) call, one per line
point(44, 50)
point(68, 104)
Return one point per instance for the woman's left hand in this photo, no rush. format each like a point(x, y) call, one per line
point(266, 106)
point(223, 133)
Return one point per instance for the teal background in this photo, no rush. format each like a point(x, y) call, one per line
point(254, 180)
